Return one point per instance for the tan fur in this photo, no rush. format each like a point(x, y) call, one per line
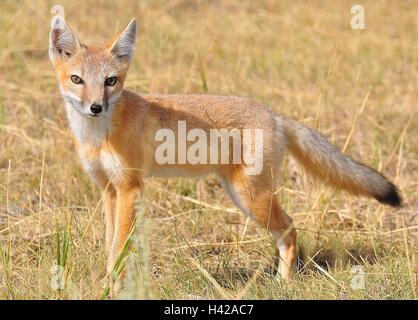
point(325, 161)
point(118, 147)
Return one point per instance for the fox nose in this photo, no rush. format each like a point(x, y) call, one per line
point(96, 108)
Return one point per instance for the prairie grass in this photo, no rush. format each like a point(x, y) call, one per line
point(301, 58)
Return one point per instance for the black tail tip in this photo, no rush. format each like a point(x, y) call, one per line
point(391, 197)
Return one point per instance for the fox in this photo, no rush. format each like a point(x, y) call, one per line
point(115, 132)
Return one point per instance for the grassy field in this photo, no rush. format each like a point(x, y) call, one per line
point(301, 58)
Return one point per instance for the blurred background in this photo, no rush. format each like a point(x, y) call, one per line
point(302, 58)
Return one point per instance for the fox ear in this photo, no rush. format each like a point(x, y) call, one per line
point(62, 41)
point(122, 45)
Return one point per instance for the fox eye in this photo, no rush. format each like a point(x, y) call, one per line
point(76, 79)
point(111, 81)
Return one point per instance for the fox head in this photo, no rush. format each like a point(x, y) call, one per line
point(91, 78)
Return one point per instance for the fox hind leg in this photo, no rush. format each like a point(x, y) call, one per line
point(286, 244)
point(254, 195)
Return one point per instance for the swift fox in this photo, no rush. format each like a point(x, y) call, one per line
point(116, 138)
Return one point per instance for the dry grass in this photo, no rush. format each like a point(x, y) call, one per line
point(301, 58)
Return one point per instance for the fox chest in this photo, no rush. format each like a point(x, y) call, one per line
point(103, 166)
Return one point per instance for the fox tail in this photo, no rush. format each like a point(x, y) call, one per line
point(323, 160)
